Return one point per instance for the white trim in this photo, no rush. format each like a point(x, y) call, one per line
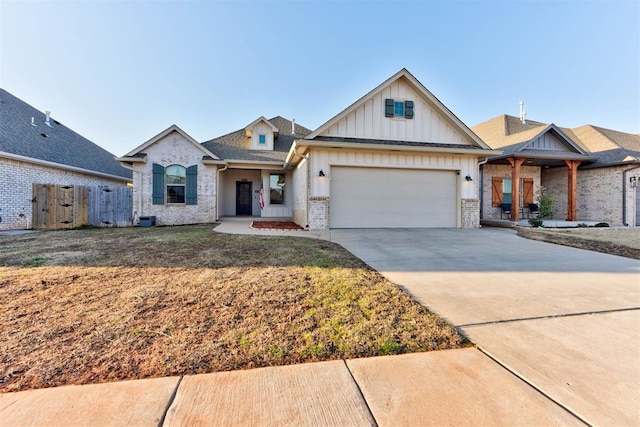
point(250, 126)
point(386, 147)
point(11, 156)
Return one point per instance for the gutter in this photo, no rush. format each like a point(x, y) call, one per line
point(624, 195)
point(25, 159)
point(139, 203)
point(391, 147)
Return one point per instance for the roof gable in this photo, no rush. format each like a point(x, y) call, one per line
point(52, 143)
point(236, 146)
point(248, 128)
point(432, 122)
point(163, 134)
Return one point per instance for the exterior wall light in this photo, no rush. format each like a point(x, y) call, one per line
point(633, 181)
point(321, 174)
point(468, 178)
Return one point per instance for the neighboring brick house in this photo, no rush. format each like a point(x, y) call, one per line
point(37, 149)
point(590, 171)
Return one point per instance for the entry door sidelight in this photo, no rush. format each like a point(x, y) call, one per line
point(243, 198)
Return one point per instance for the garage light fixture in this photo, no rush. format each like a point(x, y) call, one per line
point(633, 181)
point(321, 174)
point(468, 178)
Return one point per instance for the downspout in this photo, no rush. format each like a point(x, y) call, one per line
point(139, 204)
point(218, 189)
point(481, 189)
point(305, 157)
point(624, 195)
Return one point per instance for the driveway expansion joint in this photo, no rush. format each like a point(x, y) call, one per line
point(170, 402)
point(533, 386)
point(551, 316)
point(346, 365)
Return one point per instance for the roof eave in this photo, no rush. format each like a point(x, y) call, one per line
point(62, 166)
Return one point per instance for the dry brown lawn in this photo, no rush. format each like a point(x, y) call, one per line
point(615, 241)
point(96, 305)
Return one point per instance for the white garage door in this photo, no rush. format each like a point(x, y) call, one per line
point(391, 198)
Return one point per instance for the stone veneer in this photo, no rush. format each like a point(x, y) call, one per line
point(470, 213)
point(318, 213)
point(18, 178)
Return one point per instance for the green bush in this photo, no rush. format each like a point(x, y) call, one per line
point(582, 225)
point(535, 222)
point(546, 204)
point(601, 224)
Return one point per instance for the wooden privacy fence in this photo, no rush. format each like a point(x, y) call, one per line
point(69, 206)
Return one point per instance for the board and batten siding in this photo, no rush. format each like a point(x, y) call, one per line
point(325, 158)
point(369, 121)
point(547, 141)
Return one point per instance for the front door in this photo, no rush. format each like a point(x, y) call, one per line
point(243, 198)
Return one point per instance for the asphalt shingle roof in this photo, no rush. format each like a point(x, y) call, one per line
point(237, 145)
point(609, 147)
point(60, 145)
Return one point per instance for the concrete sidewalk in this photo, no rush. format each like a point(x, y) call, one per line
point(453, 387)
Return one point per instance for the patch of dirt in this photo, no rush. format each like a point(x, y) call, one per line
point(276, 225)
point(614, 241)
point(160, 301)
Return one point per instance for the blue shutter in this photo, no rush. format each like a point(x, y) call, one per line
point(408, 109)
point(158, 184)
point(192, 185)
point(388, 107)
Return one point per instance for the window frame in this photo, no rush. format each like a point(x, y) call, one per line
point(183, 185)
point(278, 189)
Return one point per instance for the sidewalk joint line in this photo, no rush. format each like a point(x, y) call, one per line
point(539, 390)
point(360, 392)
point(170, 402)
point(552, 316)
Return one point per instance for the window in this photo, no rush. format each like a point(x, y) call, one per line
point(393, 108)
point(176, 184)
point(262, 139)
point(398, 109)
point(276, 189)
point(506, 190)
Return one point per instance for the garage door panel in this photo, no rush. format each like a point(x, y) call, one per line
point(375, 197)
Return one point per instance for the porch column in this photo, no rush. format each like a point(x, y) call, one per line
point(572, 189)
point(515, 187)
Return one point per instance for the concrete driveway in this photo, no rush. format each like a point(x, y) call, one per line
point(564, 320)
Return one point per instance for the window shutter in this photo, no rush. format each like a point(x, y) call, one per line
point(388, 107)
point(527, 191)
point(408, 109)
point(496, 191)
point(191, 196)
point(158, 184)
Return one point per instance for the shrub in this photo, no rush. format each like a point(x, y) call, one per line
point(582, 225)
point(535, 222)
point(601, 224)
point(546, 204)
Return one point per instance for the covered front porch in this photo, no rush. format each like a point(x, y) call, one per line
point(513, 182)
point(254, 191)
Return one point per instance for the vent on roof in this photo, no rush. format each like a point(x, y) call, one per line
point(47, 118)
point(33, 122)
point(523, 114)
point(293, 126)
point(44, 135)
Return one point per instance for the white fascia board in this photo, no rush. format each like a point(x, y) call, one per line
point(255, 164)
point(131, 159)
point(25, 159)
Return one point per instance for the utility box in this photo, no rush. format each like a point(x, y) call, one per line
point(147, 221)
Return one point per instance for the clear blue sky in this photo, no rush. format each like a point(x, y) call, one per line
point(120, 72)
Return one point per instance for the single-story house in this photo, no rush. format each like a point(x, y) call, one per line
point(37, 149)
point(591, 172)
point(397, 157)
